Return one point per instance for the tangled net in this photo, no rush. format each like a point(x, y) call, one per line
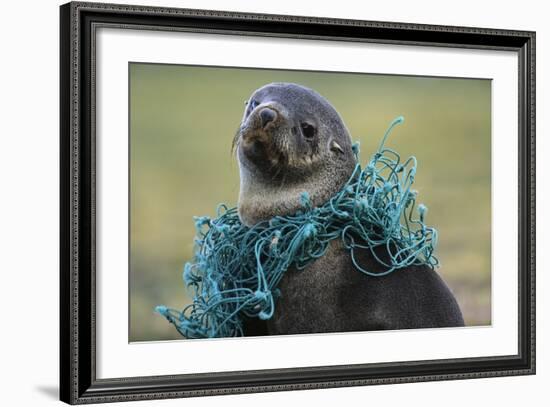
point(236, 269)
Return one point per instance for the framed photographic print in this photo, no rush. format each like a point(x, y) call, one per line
point(257, 203)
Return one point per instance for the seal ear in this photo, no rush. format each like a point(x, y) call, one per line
point(334, 146)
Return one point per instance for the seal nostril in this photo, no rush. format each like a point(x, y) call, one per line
point(267, 115)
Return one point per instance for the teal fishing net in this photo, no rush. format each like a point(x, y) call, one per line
point(236, 269)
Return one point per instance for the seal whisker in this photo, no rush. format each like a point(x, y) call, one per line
point(283, 180)
point(277, 167)
point(236, 140)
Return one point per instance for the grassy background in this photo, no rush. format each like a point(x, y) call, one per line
point(183, 118)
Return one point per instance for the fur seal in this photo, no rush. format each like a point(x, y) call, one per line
point(292, 140)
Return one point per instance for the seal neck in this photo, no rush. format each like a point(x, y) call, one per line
point(259, 201)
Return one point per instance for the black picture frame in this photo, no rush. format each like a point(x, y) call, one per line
point(78, 382)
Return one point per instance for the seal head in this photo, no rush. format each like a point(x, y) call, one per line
point(291, 140)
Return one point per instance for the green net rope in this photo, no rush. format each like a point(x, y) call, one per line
point(236, 269)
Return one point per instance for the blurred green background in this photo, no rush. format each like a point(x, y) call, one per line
point(182, 121)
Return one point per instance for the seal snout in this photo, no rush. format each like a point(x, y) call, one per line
point(261, 125)
point(259, 133)
point(267, 116)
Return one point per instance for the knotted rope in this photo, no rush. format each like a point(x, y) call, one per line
point(236, 269)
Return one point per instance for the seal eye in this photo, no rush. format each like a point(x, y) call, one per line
point(308, 131)
point(250, 106)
